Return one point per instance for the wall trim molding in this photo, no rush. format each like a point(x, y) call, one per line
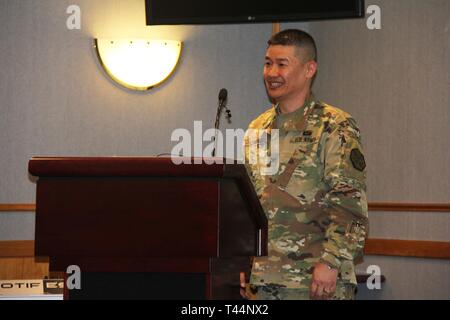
point(409, 207)
point(373, 206)
point(408, 248)
point(383, 247)
point(17, 207)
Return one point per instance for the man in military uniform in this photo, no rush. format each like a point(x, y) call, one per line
point(316, 202)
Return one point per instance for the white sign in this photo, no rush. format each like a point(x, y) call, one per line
point(31, 287)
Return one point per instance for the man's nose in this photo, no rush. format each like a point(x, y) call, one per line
point(271, 71)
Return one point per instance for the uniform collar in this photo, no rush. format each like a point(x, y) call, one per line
point(308, 102)
point(270, 117)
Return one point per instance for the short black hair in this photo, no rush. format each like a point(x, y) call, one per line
point(297, 38)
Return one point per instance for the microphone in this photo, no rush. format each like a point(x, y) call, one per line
point(223, 96)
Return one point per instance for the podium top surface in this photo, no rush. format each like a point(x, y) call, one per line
point(134, 167)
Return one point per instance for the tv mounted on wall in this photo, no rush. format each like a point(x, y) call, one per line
point(167, 12)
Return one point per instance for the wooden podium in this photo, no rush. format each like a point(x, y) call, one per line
point(145, 228)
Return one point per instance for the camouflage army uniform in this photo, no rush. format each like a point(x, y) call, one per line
point(315, 204)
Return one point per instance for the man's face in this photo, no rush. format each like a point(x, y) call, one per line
point(285, 74)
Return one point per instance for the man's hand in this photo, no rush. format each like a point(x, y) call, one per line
point(242, 285)
point(323, 284)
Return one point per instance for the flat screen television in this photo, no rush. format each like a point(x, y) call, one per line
point(167, 12)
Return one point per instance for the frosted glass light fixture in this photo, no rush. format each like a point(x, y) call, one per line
point(138, 64)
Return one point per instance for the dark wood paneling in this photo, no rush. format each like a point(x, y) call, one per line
point(126, 217)
point(237, 232)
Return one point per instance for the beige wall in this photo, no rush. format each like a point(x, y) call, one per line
point(55, 100)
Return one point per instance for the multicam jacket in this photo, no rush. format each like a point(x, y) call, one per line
point(316, 201)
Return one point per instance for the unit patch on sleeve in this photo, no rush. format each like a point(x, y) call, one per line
point(358, 161)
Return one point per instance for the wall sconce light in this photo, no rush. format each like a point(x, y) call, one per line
point(138, 64)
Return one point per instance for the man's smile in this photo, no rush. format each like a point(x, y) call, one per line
point(274, 84)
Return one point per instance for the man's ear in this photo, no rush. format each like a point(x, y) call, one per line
point(311, 69)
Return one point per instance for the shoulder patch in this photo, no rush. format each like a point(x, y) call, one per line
point(358, 161)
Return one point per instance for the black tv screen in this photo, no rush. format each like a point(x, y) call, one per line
point(166, 12)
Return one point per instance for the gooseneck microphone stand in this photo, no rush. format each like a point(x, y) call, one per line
point(222, 105)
